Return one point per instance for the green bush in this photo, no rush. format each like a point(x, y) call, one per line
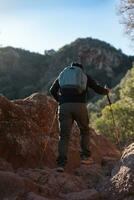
point(123, 112)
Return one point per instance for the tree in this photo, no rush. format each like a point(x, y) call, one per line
point(124, 118)
point(126, 9)
point(127, 86)
point(123, 111)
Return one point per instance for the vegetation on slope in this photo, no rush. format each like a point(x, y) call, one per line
point(123, 110)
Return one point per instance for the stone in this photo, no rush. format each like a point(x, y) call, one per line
point(29, 135)
point(121, 184)
point(91, 194)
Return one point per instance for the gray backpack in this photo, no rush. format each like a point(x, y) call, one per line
point(73, 77)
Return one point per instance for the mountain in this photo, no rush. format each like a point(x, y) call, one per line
point(23, 73)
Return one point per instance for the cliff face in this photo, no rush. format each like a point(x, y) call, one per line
point(23, 73)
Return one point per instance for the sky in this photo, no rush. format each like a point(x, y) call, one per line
point(38, 25)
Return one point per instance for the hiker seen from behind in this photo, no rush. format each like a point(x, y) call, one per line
point(70, 91)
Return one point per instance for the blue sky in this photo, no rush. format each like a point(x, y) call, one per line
point(37, 25)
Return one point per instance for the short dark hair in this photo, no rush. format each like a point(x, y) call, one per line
point(77, 64)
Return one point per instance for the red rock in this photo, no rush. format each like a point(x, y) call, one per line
point(52, 182)
point(12, 185)
point(22, 187)
point(25, 127)
point(43, 184)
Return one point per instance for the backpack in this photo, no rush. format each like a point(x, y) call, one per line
point(73, 77)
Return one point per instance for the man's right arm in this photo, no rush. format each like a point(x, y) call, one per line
point(54, 90)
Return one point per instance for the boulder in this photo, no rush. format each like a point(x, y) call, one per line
point(52, 183)
point(121, 184)
point(13, 186)
point(29, 135)
point(44, 184)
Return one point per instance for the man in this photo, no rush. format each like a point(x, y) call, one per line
point(72, 107)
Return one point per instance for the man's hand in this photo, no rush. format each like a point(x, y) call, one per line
point(109, 90)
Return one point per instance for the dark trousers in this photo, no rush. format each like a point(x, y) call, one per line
point(68, 112)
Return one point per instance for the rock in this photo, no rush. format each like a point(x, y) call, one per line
point(22, 141)
point(33, 196)
point(5, 166)
point(121, 185)
point(12, 185)
point(9, 184)
point(44, 184)
point(28, 138)
point(26, 167)
point(84, 195)
point(91, 175)
point(52, 182)
point(108, 164)
point(41, 109)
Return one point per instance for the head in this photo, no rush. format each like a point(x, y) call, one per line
point(77, 65)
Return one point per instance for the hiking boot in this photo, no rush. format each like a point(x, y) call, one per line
point(60, 169)
point(87, 161)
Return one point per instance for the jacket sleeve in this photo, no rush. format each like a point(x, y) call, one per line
point(54, 90)
point(95, 86)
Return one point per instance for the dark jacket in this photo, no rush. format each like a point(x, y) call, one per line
point(69, 95)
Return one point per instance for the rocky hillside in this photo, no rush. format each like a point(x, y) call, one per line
point(23, 72)
point(27, 169)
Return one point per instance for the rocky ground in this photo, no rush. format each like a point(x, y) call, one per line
point(27, 164)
